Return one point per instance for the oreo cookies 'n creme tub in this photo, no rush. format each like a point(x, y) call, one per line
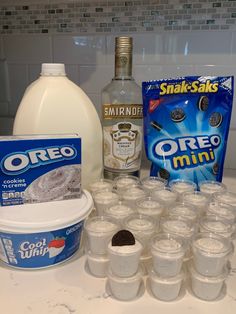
point(41, 235)
point(186, 125)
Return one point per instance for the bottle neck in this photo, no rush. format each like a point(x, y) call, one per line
point(123, 65)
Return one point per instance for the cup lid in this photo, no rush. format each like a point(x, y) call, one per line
point(167, 280)
point(208, 279)
point(167, 243)
point(211, 243)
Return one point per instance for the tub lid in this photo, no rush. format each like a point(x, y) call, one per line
point(40, 217)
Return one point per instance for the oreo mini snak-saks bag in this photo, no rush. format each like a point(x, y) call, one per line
point(186, 125)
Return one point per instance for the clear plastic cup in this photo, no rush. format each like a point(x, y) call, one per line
point(165, 288)
point(178, 226)
point(99, 231)
point(183, 210)
point(210, 253)
point(217, 225)
point(150, 207)
point(99, 185)
point(222, 211)
point(104, 199)
point(182, 186)
point(98, 264)
point(124, 260)
point(131, 195)
point(153, 183)
point(167, 254)
point(211, 187)
point(119, 211)
point(165, 195)
point(197, 199)
point(207, 288)
point(143, 228)
point(125, 289)
point(123, 182)
point(225, 197)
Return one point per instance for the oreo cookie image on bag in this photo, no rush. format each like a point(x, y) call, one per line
point(194, 114)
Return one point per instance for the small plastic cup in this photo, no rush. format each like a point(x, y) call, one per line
point(125, 289)
point(182, 186)
point(207, 288)
point(104, 199)
point(150, 207)
point(119, 211)
point(183, 210)
point(222, 211)
point(165, 195)
point(98, 264)
point(124, 182)
point(211, 187)
point(99, 231)
point(198, 199)
point(167, 254)
point(143, 228)
point(153, 183)
point(225, 197)
point(210, 253)
point(165, 288)
point(124, 260)
point(217, 225)
point(178, 226)
point(102, 184)
point(131, 195)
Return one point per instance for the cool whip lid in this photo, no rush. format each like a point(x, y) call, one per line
point(40, 217)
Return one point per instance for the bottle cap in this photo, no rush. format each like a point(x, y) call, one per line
point(53, 69)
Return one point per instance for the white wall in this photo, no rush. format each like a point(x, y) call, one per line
point(89, 63)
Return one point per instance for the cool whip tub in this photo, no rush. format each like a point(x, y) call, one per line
point(124, 260)
point(38, 169)
point(222, 211)
point(225, 197)
point(143, 228)
point(121, 183)
point(198, 199)
point(207, 288)
point(153, 183)
point(125, 289)
point(185, 211)
point(210, 253)
point(99, 231)
point(41, 235)
point(165, 195)
point(165, 288)
point(102, 184)
point(104, 199)
point(150, 207)
point(182, 186)
point(211, 187)
point(167, 254)
point(119, 211)
point(216, 225)
point(97, 264)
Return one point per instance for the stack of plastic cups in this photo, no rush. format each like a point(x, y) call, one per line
point(124, 273)
point(198, 199)
point(99, 231)
point(166, 274)
point(124, 182)
point(104, 199)
point(182, 186)
point(153, 183)
point(119, 211)
point(211, 187)
point(166, 196)
point(208, 270)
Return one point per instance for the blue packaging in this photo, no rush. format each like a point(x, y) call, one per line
point(35, 169)
point(186, 125)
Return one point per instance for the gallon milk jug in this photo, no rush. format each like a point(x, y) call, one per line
point(55, 105)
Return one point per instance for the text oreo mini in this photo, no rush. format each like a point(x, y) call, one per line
point(186, 125)
point(39, 168)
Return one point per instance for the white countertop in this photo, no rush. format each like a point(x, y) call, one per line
point(68, 289)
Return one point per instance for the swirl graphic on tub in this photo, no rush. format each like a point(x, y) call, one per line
point(54, 184)
point(41, 248)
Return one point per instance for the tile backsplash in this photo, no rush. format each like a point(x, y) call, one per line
point(160, 50)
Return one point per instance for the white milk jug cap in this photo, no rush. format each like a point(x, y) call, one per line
point(53, 69)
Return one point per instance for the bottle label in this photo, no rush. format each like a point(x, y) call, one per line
point(122, 145)
point(122, 111)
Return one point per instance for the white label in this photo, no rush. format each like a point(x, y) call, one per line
point(122, 145)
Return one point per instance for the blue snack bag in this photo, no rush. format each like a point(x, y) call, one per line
point(186, 126)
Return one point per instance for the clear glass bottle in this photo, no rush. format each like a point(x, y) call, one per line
point(122, 116)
